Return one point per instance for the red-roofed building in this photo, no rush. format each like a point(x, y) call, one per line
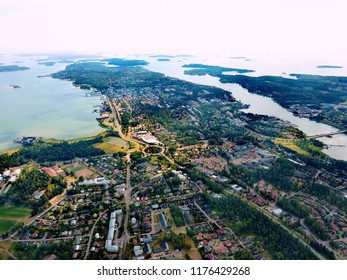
point(209, 257)
point(221, 250)
point(49, 171)
point(259, 201)
point(334, 227)
point(199, 236)
point(234, 249)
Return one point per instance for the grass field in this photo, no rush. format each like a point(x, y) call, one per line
point(10, 216)
point(290, 145)
point(78, 168)
point(112, 145)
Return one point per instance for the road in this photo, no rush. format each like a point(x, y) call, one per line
point(90, 235)
point(127, 195)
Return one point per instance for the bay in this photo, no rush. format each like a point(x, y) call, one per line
point(44, 107)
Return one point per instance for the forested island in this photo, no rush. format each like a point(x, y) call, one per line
point(12, 68)
point(202, 69)
point(47, 63)
point(125, 62)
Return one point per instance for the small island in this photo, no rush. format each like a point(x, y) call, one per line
point(162, 56)
point(47, 63)
point(202, 69)
point(329, 66)
point(12, 68)
point(14, 86)
point(163, 59)
point(125, 62)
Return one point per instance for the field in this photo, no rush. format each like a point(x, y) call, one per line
point(78, 168)
point(112, 145)
point(290, 145)
point(10, 216)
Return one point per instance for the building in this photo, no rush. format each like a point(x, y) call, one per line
point(109, 246)
point(163, 220)
point(149, 139)
point(236, 188)
point(13, 179)
point(277, 212)
point(16, 172)
point(138, 251)
point(6, 174)
point(148, 249)
point(95, 182)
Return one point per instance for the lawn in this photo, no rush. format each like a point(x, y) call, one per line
point(112, 145)
point(77, 168)
point(10, 216)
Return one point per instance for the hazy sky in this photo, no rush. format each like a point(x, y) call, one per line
point(175, 26)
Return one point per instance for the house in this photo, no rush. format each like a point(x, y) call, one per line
point(236, 188)
point(157, 250)
point(138, 251)
point(259, 201)
point(277, 212)
point(221, 250)
point(165, 246)
point(147, 249)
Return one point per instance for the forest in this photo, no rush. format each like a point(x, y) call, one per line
point(177, 215)
point(44, 152)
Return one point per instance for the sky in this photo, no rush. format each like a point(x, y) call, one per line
point(312, 27)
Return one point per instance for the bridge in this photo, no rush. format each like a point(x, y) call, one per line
point(327, 134)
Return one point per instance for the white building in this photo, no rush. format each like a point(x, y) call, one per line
point(16, 172)
point(109, 246)
point(150, 140)
point(6, 174)
point(13, 179)
point(95, 182)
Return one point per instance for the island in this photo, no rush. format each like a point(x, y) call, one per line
point(202, 69)
point(47, 63)
point(329, 66)
point(14, 86)
point(163, 59)
point(12, 68)
point(125, 62)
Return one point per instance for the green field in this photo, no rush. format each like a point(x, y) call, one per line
point(10, 216)
point(77, 168)
point(112, 145)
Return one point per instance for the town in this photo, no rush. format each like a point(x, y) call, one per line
point(159, 183)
